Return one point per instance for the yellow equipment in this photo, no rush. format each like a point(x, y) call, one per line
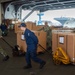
point(60, 56)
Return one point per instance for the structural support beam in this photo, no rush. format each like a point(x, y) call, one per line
point(28, 15)
point(1, 1)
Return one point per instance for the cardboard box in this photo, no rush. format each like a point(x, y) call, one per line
point(39, 27)
point(20, 42)
point(71, 47)
point(41, 37)
point(30, 25)
point(42, 40)
point(62, 41)
point(54, 42)
point(66, 41)
point(16, 27)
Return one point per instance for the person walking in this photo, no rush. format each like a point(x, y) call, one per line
point(32, 42)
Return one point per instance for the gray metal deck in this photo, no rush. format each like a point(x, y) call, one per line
point(14, 66)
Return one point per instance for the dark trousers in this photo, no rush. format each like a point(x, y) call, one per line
point(32, 54)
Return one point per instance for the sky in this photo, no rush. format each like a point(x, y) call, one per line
point(50, 14)
point(60, 13)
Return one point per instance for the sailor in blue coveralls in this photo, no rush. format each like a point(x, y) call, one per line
point(4, 29)
point(31, 41)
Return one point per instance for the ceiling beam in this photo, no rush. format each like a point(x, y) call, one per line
point(1, 1)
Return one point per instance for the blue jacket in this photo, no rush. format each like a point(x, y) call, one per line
point(31, 39)
point(3, 27)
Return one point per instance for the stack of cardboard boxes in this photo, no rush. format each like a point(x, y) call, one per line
point(40, 34)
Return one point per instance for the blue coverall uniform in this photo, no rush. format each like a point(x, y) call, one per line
point(31, 41)
point(3, 27)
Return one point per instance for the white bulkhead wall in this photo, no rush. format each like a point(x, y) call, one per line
point(10, 12)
